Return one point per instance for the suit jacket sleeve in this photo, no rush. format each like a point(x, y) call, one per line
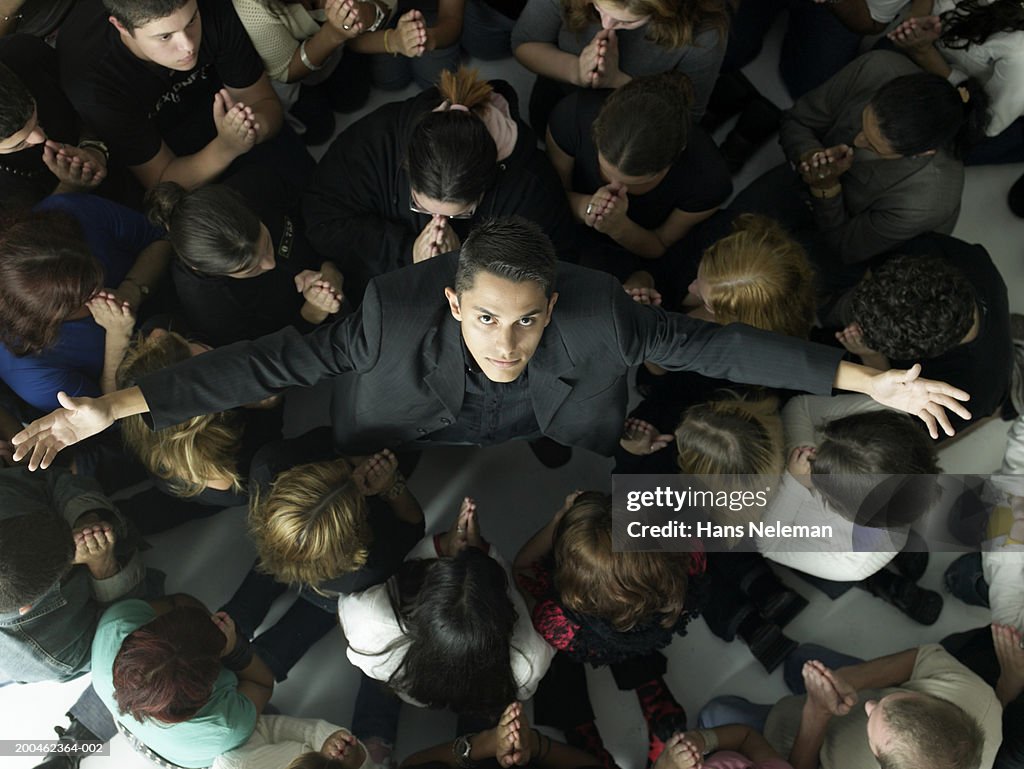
point(250, 371)
point(736, 352)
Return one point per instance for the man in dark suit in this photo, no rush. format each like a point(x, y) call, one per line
point(492, 363)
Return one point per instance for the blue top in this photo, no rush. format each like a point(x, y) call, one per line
point(222, 724)
point(115, 235)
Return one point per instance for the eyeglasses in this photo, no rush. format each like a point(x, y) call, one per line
point(417, 209)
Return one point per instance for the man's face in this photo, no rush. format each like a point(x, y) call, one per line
point(171, 42)
point(502, 323)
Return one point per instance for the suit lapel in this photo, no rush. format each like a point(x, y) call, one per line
point(445, 364)
point(547, 367)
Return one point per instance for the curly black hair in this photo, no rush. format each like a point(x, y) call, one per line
point(914, 307)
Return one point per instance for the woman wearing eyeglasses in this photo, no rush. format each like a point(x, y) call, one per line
point(410, 180)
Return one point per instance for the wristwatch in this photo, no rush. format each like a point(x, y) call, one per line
point(462, 747)
point(95, 144)
point(381, 17)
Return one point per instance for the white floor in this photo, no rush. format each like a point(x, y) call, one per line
point(515, 496)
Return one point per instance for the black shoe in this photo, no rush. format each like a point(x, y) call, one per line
point(783, 607)
point(550, 454)
point(911, 565)
point(1016, 197)
point(75, 732)
point(770, 646)
point(918, 603)
point(757, 124)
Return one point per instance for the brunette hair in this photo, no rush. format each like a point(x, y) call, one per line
point(973, 22)
point(138, 13)
point(451, 156)
point(188, 455)
point(760, 276)
point(47, 273)
point(512, 248)
point(166, 669)
point(923, 112)
point(212, 229)
point(312, 525)
point(35, 552)
point(914, 307)
point(644, 125)
point(622, 588)
point(16, 103)
point(857, 449)
point(673, 23)
point(457, 621)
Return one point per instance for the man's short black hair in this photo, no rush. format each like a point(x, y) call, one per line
point(16, 103)
point(137, 13)
point(511, 248)
point(35, 552)
point(914, 307)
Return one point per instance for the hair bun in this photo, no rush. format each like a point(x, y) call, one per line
point(162, 201)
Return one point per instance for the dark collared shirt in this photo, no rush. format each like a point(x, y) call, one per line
point(492, 412)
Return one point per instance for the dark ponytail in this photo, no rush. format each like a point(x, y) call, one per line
point(973, 22)
point(643, 126)
point(212, 229)
point(923, 112)
point(451, 156)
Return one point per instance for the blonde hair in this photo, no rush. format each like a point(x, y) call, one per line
point(760, 276)
point(723, 439)
point(312, 526)
point(673, 23)
point(189, 455)
point(623, 588)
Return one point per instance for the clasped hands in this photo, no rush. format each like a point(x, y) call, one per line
point(821, 168)
point(916, 33)
point(598, 63)
point(828, 693)
point(464, 532)
point(437, 238)
point(322, 290)
point(606, 211)
point(78, 169)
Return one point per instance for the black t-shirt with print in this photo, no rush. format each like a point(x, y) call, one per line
point(134, 105)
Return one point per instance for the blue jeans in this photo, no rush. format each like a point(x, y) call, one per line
point(730, 709)
point(392, 73)
point(792, 672)
point(376, 711)
point(966, 580)
point(486, 33)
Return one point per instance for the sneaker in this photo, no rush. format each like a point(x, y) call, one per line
point(918, 603)
point(910, 564)
point(770, 646)
point(757, 124)
point(550, 454)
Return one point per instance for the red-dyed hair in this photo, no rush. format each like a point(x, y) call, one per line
point(47, 273)
point(166, 669)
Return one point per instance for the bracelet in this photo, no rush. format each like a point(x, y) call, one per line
point(240, 657)
point(397, 488)
point(710, 737)
point(95, 144)
point(827, 192)
point(387, 45)
point(305, 59)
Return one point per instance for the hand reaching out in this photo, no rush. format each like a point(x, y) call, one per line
point(642, 438)
point(237, 127)
point(916, 33)
point(76, 420)
point(924, 398)
point(409, 37)
point(77, 168)
point(111, 314)
point(376, 474)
